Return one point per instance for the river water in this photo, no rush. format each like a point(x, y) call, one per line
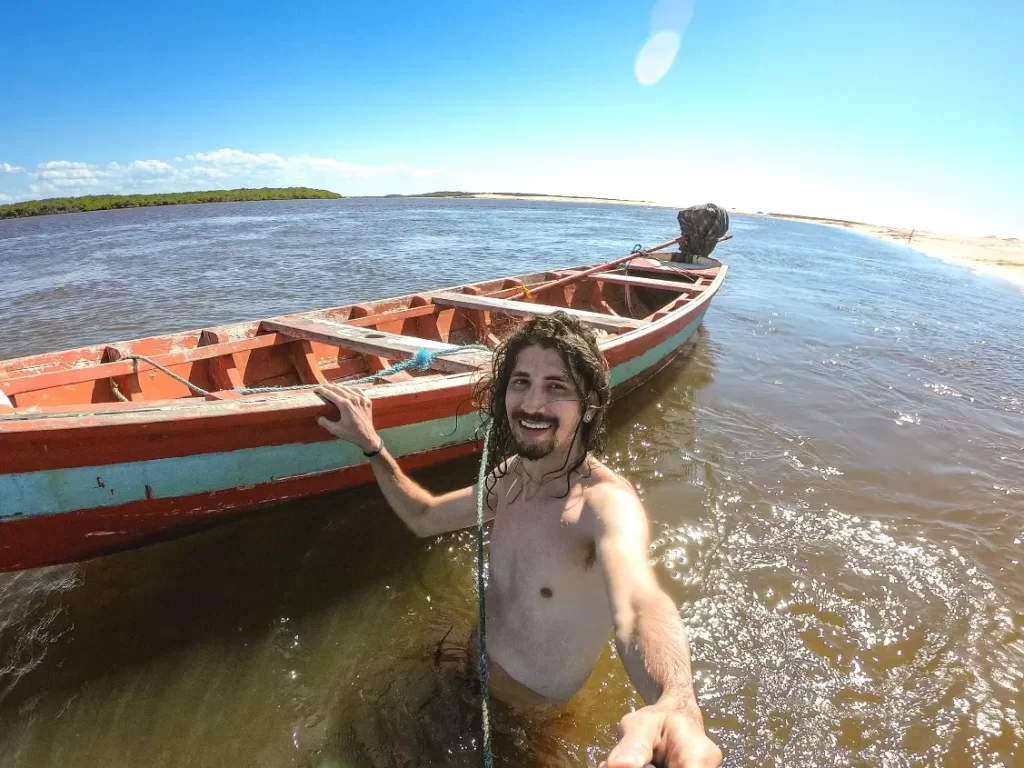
point(835, 478)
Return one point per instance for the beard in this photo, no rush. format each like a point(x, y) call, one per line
point(532, 448)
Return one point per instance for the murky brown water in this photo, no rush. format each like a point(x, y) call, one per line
point(836, 477)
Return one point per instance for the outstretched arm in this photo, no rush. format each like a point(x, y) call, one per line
point(651, 639)
point(424, 513)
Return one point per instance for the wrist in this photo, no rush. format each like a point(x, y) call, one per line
point(682, 702)
point(372, 447)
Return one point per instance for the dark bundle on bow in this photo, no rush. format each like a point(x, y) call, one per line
point(703, 226)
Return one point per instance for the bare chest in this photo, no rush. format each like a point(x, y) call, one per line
point(540, 551)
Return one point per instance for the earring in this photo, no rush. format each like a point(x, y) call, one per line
point(588, 416)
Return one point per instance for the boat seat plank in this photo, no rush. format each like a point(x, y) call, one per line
point(66, 377)
point(647, 282)
point(526, 309)
point(369, 341)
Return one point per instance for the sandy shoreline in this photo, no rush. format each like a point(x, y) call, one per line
point(1003, 257)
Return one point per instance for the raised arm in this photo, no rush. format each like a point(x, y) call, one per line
point(424, 513)
point(651, 640)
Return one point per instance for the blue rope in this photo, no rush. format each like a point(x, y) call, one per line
point(421, 360)
point(481, 496)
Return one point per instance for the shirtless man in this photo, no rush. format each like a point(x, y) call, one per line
point(569, 545)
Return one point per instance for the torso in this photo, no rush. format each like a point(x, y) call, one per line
point(548, 612)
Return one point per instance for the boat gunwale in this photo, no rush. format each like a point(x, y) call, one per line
point(41, 418)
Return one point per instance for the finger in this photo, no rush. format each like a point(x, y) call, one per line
point(327, 424)
point(330, 386)
point(333, 396)
point(636, 743)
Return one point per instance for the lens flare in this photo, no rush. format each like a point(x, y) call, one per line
point(656, 57)
point(669, 20)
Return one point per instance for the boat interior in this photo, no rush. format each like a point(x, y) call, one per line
point(346, 344)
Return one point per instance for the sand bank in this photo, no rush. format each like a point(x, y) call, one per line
point(1000, 256)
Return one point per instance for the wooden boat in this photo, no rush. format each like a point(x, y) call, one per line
point(102, 449)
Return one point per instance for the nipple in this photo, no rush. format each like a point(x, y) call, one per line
point(545, 592)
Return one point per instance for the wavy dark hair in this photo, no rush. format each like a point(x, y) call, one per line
point(577, 345)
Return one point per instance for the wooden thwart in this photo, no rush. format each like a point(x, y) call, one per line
point(648, 282)
point(369, 341)
point(525, 309)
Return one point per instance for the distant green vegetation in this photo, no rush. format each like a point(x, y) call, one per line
point(107, 202)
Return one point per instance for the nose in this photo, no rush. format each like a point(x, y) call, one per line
point(535, 401)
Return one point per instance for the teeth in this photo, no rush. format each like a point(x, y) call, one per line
point(534, 424)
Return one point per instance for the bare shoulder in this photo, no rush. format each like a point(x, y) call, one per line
point(610, 501)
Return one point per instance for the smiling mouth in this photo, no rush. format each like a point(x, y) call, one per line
point(534, 426)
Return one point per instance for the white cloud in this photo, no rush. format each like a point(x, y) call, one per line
point(237, 158)
point(201, 172)
point(72, 173)
point(151, 167)
point(226, 168)
point(55, 165)
point(8, 168)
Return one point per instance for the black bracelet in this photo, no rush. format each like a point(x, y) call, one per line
point(376, 451)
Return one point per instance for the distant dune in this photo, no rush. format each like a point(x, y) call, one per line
point(1003, 256)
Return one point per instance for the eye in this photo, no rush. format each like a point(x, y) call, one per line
point(556, 387)
point(518, 383)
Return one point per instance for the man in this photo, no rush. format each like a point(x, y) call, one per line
point(569, 545)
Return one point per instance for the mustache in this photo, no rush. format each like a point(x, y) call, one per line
point(549, 420)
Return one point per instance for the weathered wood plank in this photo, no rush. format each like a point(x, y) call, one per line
point(223, 368)
point(306, 364)
point(126, 367)
point(128, 385)
point(647, 282)
point(525, 309)
point(373, 342)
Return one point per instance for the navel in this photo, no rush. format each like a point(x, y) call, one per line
point(546, 592)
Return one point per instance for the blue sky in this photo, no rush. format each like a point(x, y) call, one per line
point(909, 113)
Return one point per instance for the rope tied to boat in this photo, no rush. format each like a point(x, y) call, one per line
point(421, 360)
point(481, 499)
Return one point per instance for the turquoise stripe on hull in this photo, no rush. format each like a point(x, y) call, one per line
point(654, 355)
point(56, 491)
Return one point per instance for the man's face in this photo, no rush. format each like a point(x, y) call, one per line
point(542, 403)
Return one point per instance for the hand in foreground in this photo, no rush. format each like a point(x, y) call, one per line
point(665, 737)
point(355, 422)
